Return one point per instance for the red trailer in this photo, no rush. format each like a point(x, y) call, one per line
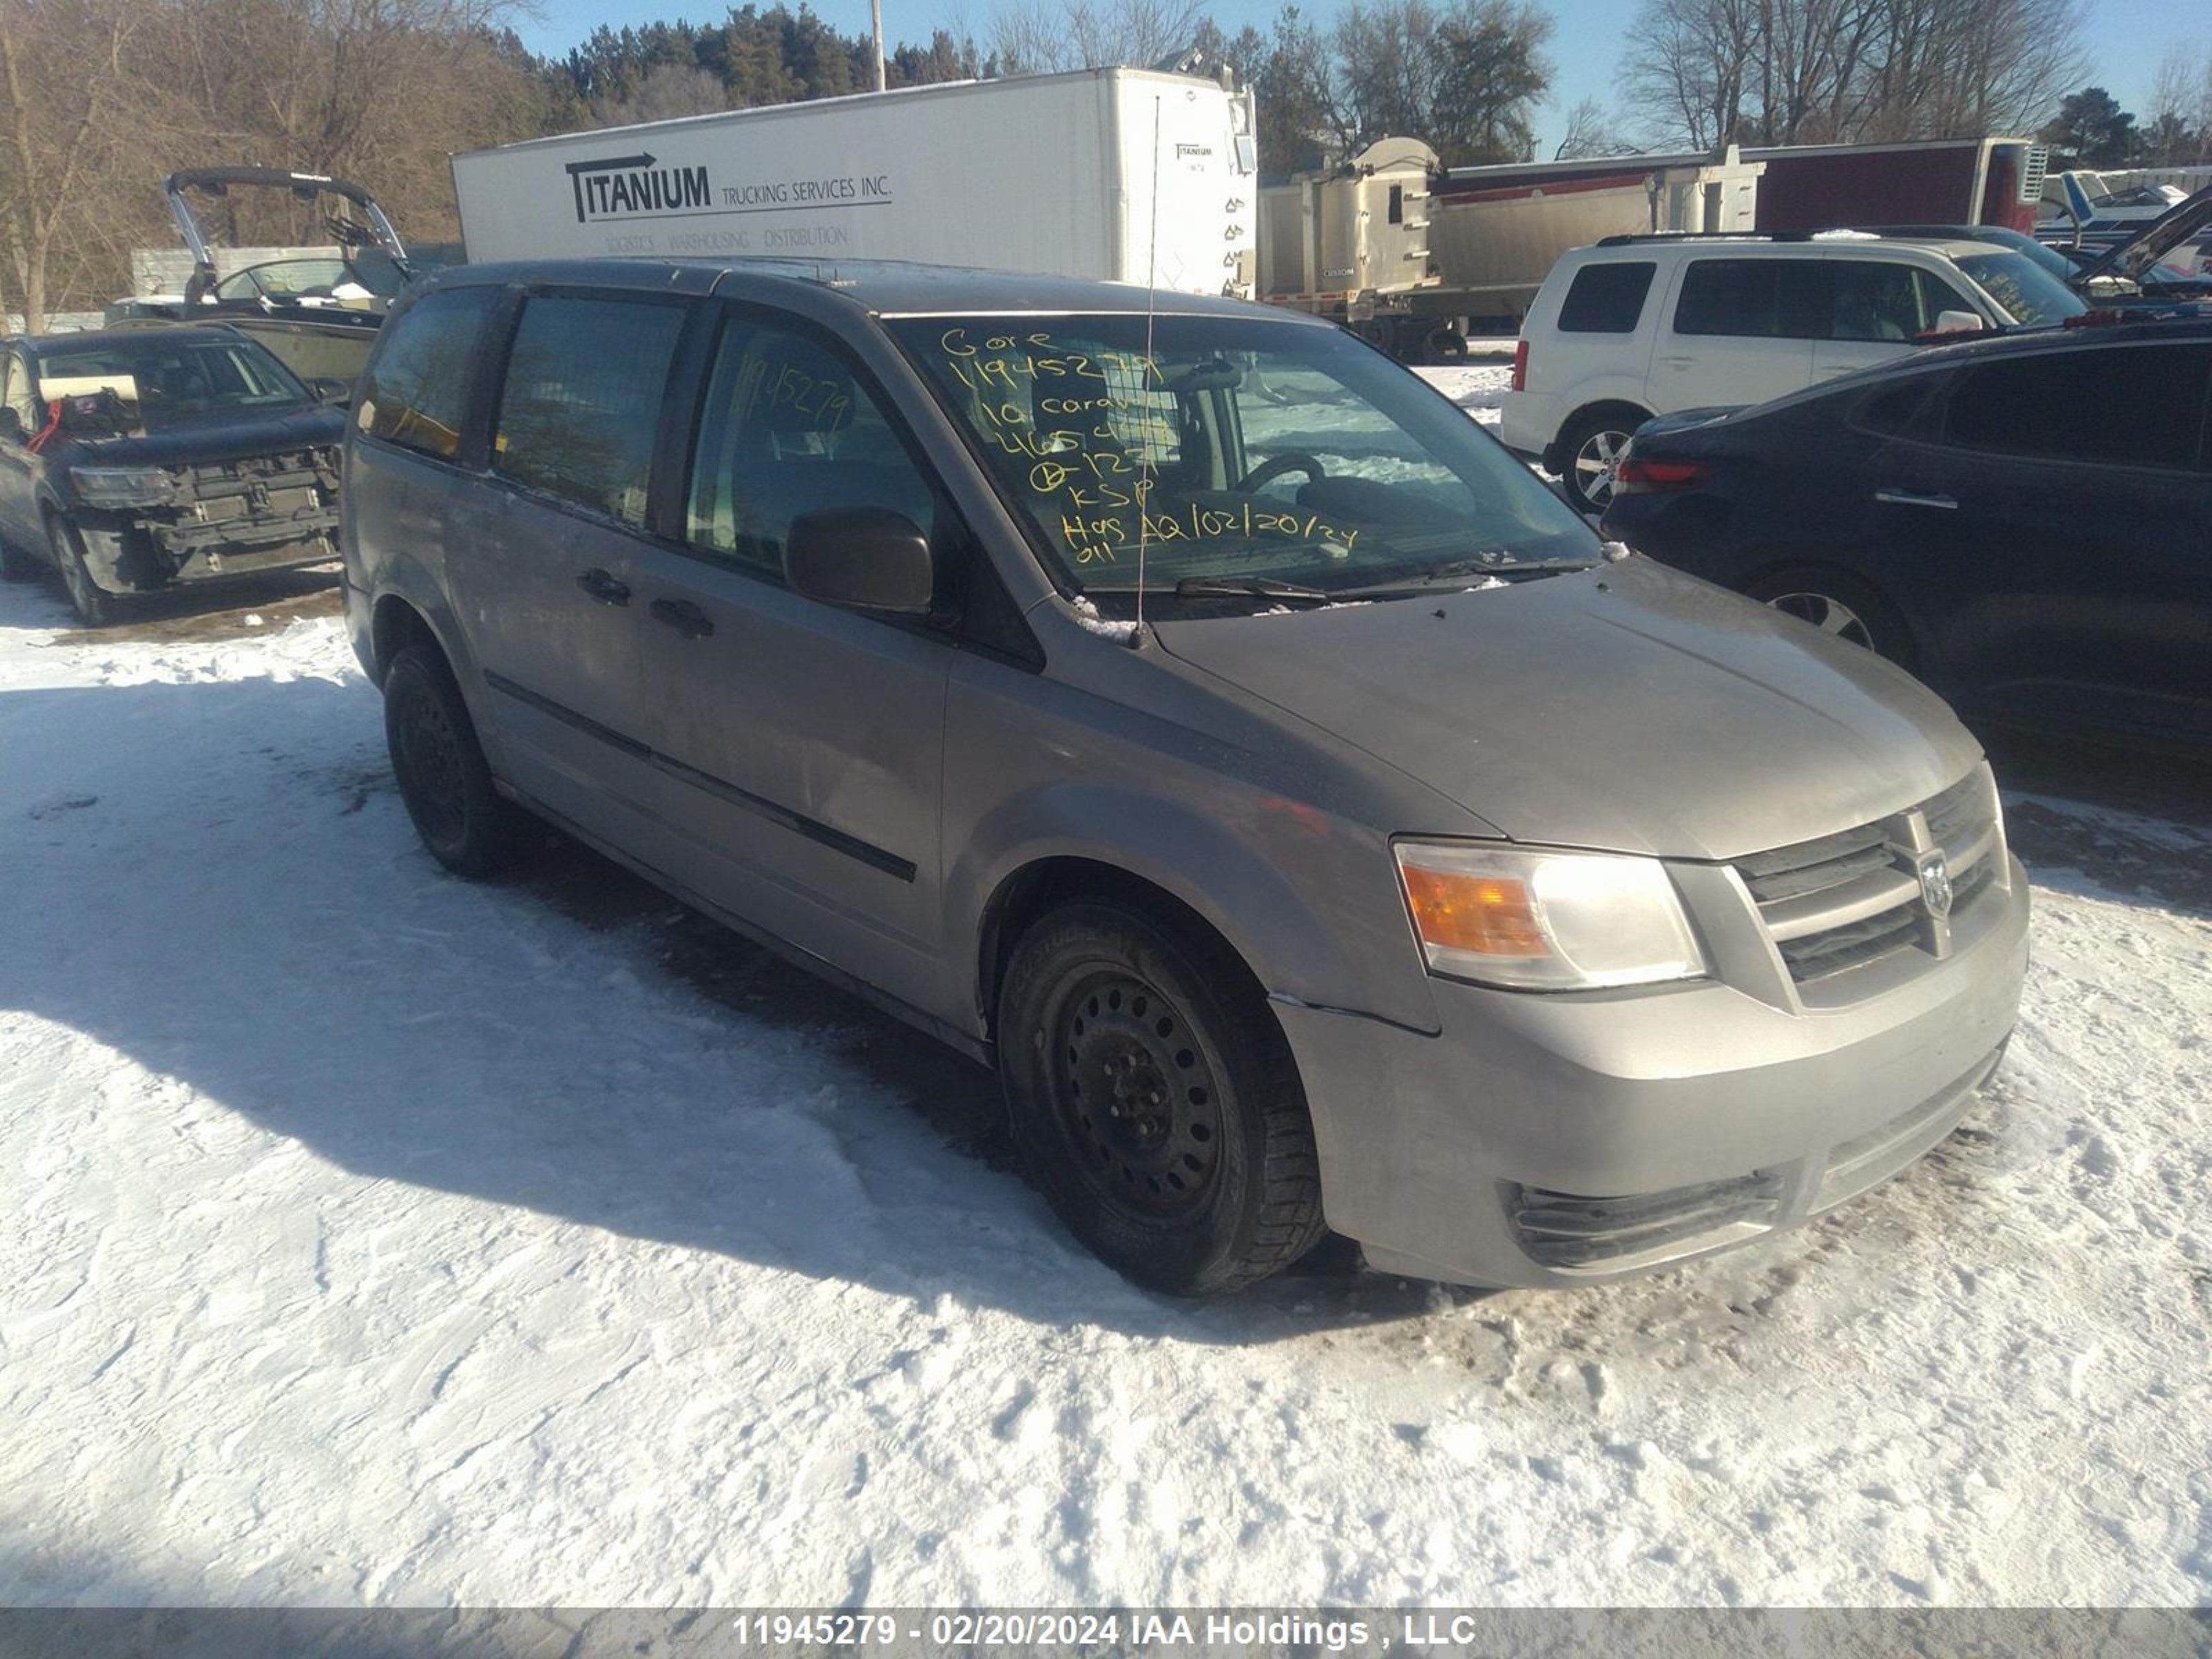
point(1958, 181)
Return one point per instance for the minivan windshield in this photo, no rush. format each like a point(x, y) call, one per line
point(166, 377)
point(1241, 457)
point(2030, 295)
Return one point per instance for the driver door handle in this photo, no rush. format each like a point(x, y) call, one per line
point(1910, 498)
point(604, 587)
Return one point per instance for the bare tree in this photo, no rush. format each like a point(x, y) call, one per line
point(667, 91)
point(1590, 133)
point(63, 102)
point(1033, 37)
point(1707, 72)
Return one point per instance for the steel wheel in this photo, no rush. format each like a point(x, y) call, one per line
point(1596, 464)
point(427, 751)
point(1136, 1095)
point(1830, 616)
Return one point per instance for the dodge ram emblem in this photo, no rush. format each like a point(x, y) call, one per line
point(1936, 884)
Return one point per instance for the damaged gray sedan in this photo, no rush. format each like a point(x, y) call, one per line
point(135, 459)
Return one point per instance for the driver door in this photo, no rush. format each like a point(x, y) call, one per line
point(800, 747)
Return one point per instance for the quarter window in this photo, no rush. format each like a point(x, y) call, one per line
point(581, 402)
point(788, 429)
point(1607, 299)
point(415, 394)
point(2125, 405)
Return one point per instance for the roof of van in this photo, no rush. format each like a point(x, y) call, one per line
point(885, 287)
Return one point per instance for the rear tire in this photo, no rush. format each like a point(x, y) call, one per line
point(1447, 345)
point(1840, 605)
point(444, 780)
point(95, 606)
point(1156, 1104)
point(1589, 449)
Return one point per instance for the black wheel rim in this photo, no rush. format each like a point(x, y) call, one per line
point(430, 769)
point(1136, 1095)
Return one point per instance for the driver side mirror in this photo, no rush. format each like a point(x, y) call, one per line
point(331, 389)
point(864, 558)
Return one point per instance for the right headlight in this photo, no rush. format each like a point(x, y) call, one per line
point(1546, 921)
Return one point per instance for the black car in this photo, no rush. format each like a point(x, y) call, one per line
point(2025, 522)
point(134, 458)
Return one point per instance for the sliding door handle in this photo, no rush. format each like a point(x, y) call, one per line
point(605, 588)
point(685, 617)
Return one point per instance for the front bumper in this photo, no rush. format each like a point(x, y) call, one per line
point(1542, 1140)
point(128, 554)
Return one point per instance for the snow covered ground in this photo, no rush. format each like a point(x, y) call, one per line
point(1478, 388)
point(367, 1236)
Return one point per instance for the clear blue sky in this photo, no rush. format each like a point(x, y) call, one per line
point(2125, 37)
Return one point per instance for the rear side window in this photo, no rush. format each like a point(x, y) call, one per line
point(1754, 299)
point(415, 394)
point(2128, 405)
point(787, 429)
point(581, 401)
point(1607, 299)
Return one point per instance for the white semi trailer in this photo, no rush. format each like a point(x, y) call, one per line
point(1127, 175)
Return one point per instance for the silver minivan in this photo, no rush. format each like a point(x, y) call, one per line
point(1178, 705)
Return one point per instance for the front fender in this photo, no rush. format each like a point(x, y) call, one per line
point(1308, 902)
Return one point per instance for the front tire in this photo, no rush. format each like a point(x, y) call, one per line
point(444, 780)
point(1156, 1104)
point(95, 606)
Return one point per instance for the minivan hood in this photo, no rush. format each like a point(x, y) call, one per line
point(1628, 708)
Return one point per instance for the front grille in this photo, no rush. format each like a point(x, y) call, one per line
point(1844, 900)
point(1571, 1231)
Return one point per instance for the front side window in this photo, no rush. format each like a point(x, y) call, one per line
point(581, 403)
point(788, 429)
point(2121, 405)
point(1234, 452)
point(1607, 299)
point(415, 393)
point(162, 378)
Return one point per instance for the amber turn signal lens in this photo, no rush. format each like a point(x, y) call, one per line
point(1489, 915)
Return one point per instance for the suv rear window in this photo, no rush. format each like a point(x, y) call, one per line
point(2124, 405)
point(582, 400)
point(416, 393)
point(1607, 299)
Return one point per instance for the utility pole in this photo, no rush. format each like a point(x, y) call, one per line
point(876, 11)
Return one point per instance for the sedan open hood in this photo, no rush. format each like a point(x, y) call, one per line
point(2135, 256)
point(1629, 708)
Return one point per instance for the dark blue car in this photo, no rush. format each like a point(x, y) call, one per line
point(2025, 522)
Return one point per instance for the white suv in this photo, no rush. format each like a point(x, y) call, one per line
point(1643, 325)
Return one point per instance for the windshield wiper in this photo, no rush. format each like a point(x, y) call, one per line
point(1249, 587)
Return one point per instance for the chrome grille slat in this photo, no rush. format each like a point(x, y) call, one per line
point(1883, 888)
point(1853, 897)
